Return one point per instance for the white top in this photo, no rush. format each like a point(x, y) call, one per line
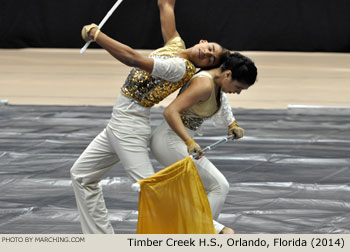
point(224, 116)
point(170, 69)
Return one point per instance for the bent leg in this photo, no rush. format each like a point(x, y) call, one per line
point(133, 154)
point(168, 148)
point(215, 184)
point(86, 174)
point(130, 130)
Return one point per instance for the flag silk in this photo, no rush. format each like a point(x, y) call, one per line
point(173, 201)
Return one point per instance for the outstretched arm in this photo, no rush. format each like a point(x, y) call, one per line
point(121, 52)
point(167, 19)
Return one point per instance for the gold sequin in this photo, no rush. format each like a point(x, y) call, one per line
point(148, 90)
point(191, 120)
point(192, 123)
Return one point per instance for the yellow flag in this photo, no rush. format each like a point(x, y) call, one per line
point(173, 201)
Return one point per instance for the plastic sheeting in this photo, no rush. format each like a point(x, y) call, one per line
point(289, 174)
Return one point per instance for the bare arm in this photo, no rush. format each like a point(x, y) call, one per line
point(123, 53)
point(167, 19)
point(198, 90)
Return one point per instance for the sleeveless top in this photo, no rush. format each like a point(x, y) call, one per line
point(145, 88)
point(193, 117)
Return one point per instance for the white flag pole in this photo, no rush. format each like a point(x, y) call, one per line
point(104, 20)
point(136, 186)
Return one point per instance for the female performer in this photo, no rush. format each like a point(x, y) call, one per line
point(199, 100)
point(128, 132)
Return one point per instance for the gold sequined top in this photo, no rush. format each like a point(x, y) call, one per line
point(193, 117)
point(148, 90)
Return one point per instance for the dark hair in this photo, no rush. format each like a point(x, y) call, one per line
point(243, 68)
point(223, 56)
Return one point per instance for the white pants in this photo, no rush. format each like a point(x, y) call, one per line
point(125, 139)
point(168, 148)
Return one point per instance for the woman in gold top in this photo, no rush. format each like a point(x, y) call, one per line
point(200, 99)
point(127, 134)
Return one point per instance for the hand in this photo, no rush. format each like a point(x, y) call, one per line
point(234, 129)
point(227, 230)
point(90, 32)
point(193, 147)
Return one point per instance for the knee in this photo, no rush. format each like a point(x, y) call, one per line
point(80, 179)
point(224, 187)
point(220, 188)
point(74, 173)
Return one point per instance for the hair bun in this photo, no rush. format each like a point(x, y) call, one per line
point(242, 68)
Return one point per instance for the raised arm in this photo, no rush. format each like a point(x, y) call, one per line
point(167, 19)
point(121, 52)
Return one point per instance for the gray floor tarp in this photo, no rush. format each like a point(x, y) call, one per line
point(289, 174)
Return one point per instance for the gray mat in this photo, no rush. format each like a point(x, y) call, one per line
point(289, 174)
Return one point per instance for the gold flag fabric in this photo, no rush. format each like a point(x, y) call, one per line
point(173, 201)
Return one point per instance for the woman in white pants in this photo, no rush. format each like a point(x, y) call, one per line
point(127, 134)
point(198, 100)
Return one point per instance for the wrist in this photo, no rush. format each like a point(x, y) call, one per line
point(189, 142)
point(232, 124)
point(93, 33)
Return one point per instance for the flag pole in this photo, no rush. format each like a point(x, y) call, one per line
point(136, 186)
point(104, 20)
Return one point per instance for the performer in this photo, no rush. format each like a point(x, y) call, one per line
point(199, 100)
point(128, 132)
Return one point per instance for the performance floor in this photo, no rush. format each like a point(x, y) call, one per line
point(289, 174)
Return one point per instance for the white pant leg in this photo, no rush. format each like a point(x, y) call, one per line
point(136, 161)
point(168, 148)
point(125, 138)
point(131, 130)
point(86, 174)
